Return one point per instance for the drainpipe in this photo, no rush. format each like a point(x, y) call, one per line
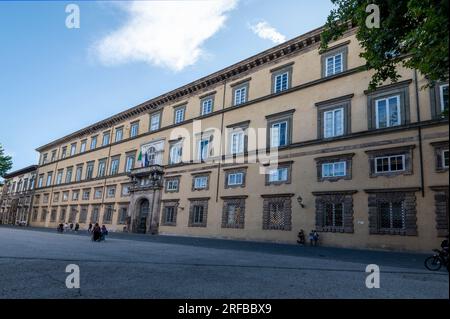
point(419, 130)
point(221, 132)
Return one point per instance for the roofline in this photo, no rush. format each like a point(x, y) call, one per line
point(296, 44)
point(21, 171)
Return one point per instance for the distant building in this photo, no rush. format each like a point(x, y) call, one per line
point(17, 195)
point(363, 168)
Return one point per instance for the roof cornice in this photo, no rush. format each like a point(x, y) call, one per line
point(21, 171)
point(294, 45)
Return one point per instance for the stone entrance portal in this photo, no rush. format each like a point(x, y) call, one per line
point(145, 199)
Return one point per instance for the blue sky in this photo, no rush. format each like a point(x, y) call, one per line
point(55, 80)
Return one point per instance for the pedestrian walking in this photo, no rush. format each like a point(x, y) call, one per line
point(66, 227)
point(104, 233)
point(96, 232)
point(90, 228)
point(77, 226)
point(301, 237)
point(311, 238)
point(71, 226)
point(315, 237)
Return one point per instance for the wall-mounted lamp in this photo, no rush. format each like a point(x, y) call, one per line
point(300, 201)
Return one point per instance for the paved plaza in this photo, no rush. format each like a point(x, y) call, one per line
point(33, 264)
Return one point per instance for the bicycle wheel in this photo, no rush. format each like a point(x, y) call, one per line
point(433, 263)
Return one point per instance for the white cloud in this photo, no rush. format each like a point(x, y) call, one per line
point(265, 31)
point(163, 33)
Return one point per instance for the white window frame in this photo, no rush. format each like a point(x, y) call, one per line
point(200, 182)
point(207, 104)
point(106, 135)
point(334, 169)
point(175, 156)
point(236, 182)
point(443, 158)
point(73, 149)
point(240, 95)
point(200, 149)
point(333, 59)
point(237, 148)
point(441, 96)
point(94, 141)
point(333, 122)
point(119, 134)
point(276, 172)
point(109, 191)
point(129, 163)
point(83, 147)
point(134, 129)
point(272, 144)
point(155, 120)
point(388, 111)
point(280, 77)
point(179, 115)
point(389, 161)
point(172, 184)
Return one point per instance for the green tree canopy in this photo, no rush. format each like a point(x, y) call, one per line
point(5, 162)
point(412, 32)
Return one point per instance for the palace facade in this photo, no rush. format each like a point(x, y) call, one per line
point(288, 139)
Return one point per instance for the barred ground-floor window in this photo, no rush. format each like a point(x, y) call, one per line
point(108, 214)
point(83, 214)
point(441, 208)
point(334, 211)
point(198, 212)
point(62, 215)
point(53, 215)
point(393, 211)
point(122, 217)
point(277, 212)
point(73, 214)
point(35, 215)
point(95, 214)
point(169, 213)
point(233, 214)
point(44, 215)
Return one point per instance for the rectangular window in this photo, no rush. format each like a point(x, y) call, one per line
point(172, 185)
point(334, 64)
point(45, 199)
point(119, 134)
point(125, 190)
point(134, 129)
point(443, 96)
point(49, 178)
point(56, 197)
point(75, 195)
point(53, 216)
point(129, 165)
point(391, 215)
point(83, 215)
point(237, 142)
point(40, 181)
point(53, 156)
point(69, 175)
point(203, 149)
point(240, 95)
point(62, 215)
point(73, 149)
point(334, 169)
point(235, 179)
point(93, 142)
point(175, 153)
point(179, 115)
point(59, 177)
point(207, 106)
point(111, 191)
point(386, 164)
point(278, 134)
point(445, 158)
point(79, 173)
point(278, 175)
point(281, 82)
point(95, 215)
point(101, 168)
point(123, 212)
point(44, 159)
point(200, 182)
point(64, 152)
point(198, 214)
point(387, 112)
point(106, 137)
point(333, 215)
point(86, 194)
point(169, 214)
point(90, 170)
point(65, 196)
point(333, 123)
point(98, 193)
point(115, 161)
point(83, 146)
point(155, 120)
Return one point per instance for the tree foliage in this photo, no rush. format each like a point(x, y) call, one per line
point(5, 162)
point(412, 32)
